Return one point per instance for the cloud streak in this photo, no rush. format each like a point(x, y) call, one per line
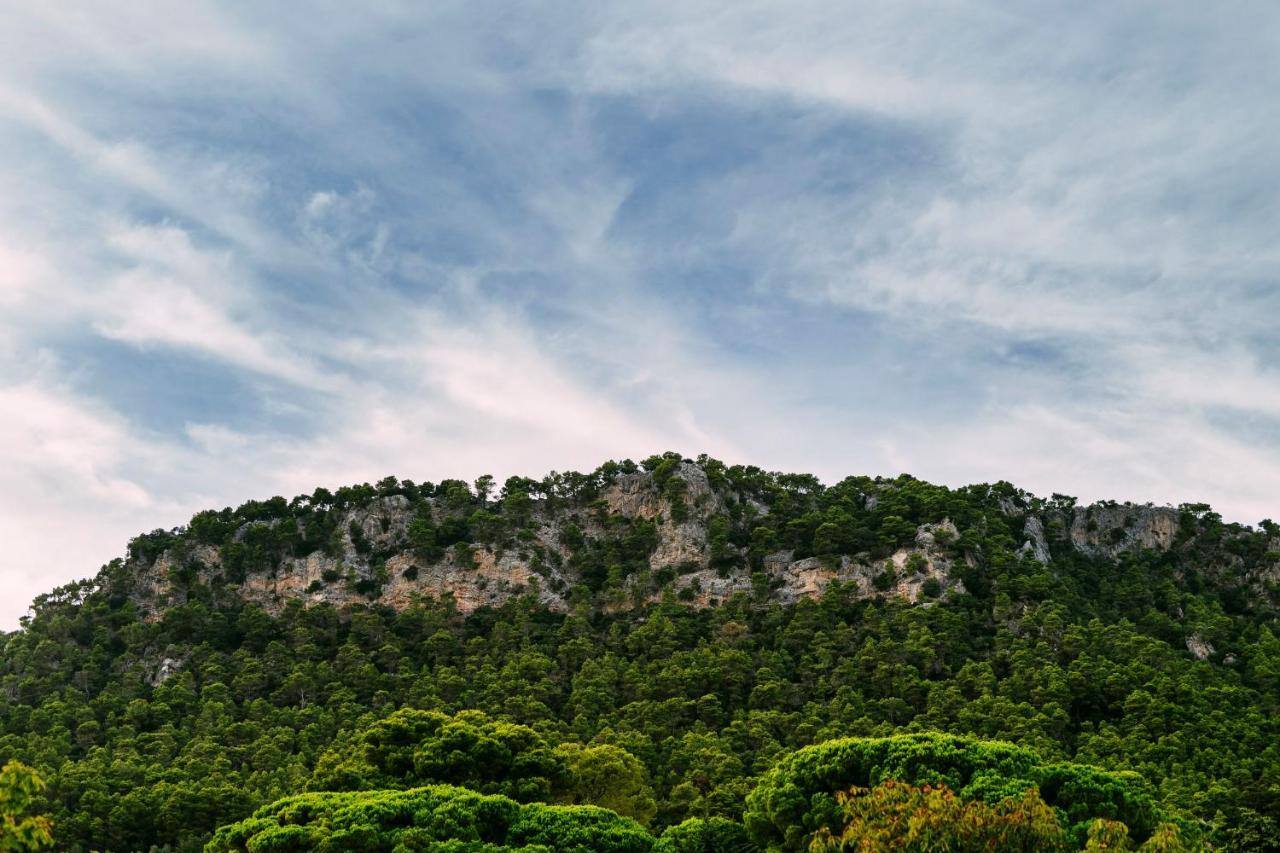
point(244, 253)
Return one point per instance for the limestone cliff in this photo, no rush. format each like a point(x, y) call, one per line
point(628, 536)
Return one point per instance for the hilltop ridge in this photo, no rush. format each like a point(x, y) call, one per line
point(695, 530)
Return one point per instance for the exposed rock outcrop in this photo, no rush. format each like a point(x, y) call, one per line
point(1037, 544)
point(368, 553)
point(1200, 649)
point(1108, 530)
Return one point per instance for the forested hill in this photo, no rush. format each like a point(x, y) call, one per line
point(662, 636)
point(626, 534)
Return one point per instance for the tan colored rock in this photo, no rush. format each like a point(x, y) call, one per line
point(1112, 530)
point(494, 576)
point(1200, 649)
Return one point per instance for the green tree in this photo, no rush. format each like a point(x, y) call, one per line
point(709, 835)
point(412, 747)
point(933, 819)
point(799, 795)
point(19, 788)
point(171, 703)
point(432, 818)
point(608, 776)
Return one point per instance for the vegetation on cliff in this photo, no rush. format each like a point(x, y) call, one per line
point(662, 639)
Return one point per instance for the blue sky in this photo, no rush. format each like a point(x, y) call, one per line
point(247, 252)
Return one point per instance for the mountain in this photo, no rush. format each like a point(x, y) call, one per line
point(702, 620)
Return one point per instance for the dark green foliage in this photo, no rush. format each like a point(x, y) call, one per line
point(154, 731)
point(1252, 831)
point(721, 551)
point(798, 796)
point(437, 818)
point(411, 748)
point(358, 539)
point(712, 835)
point(885, 580)
point(146, 547)
point(674, 491)
point(422, 535)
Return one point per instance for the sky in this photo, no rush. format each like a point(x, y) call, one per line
point(247, 250)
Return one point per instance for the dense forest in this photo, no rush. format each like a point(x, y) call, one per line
point(674, 655)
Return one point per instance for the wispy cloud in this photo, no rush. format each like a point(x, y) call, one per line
point(246, 252)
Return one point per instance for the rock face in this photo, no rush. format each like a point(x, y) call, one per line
point(369, 558)
point(1037, 544)
point(167, 667)
point(1108, 530)
point(906, 574)
point(1199, 648)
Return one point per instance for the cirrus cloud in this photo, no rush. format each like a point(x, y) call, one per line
point(246, 252)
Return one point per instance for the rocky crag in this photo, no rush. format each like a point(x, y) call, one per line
point(629, 534)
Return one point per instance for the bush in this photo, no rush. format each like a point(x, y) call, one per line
point(358, 540)
point(886, 579)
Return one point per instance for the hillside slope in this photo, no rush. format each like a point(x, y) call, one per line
point(703, 619)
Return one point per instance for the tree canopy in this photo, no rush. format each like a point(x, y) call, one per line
point(801, 795)
point(436, 818)
point(155, 722)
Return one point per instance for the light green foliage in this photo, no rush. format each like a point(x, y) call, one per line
point(436, 818)
point(933, 819)
point(916, 563)
point(411, 748)
point(19, 830)
point(1167, 838)
point(609, 776)
point(799, 796)
point(710, 835)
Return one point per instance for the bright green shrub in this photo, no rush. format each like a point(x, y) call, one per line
point(436, 818)
point(710, 835)
point(19, 789)
point(798, 796)
point(412, 748)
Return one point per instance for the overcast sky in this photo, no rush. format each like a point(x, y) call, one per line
point(245, 253)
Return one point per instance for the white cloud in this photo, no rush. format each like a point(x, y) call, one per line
point(66, 494)
point(416, 228)
point(457, 402)
point(173, 294)
point(1122, 452)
